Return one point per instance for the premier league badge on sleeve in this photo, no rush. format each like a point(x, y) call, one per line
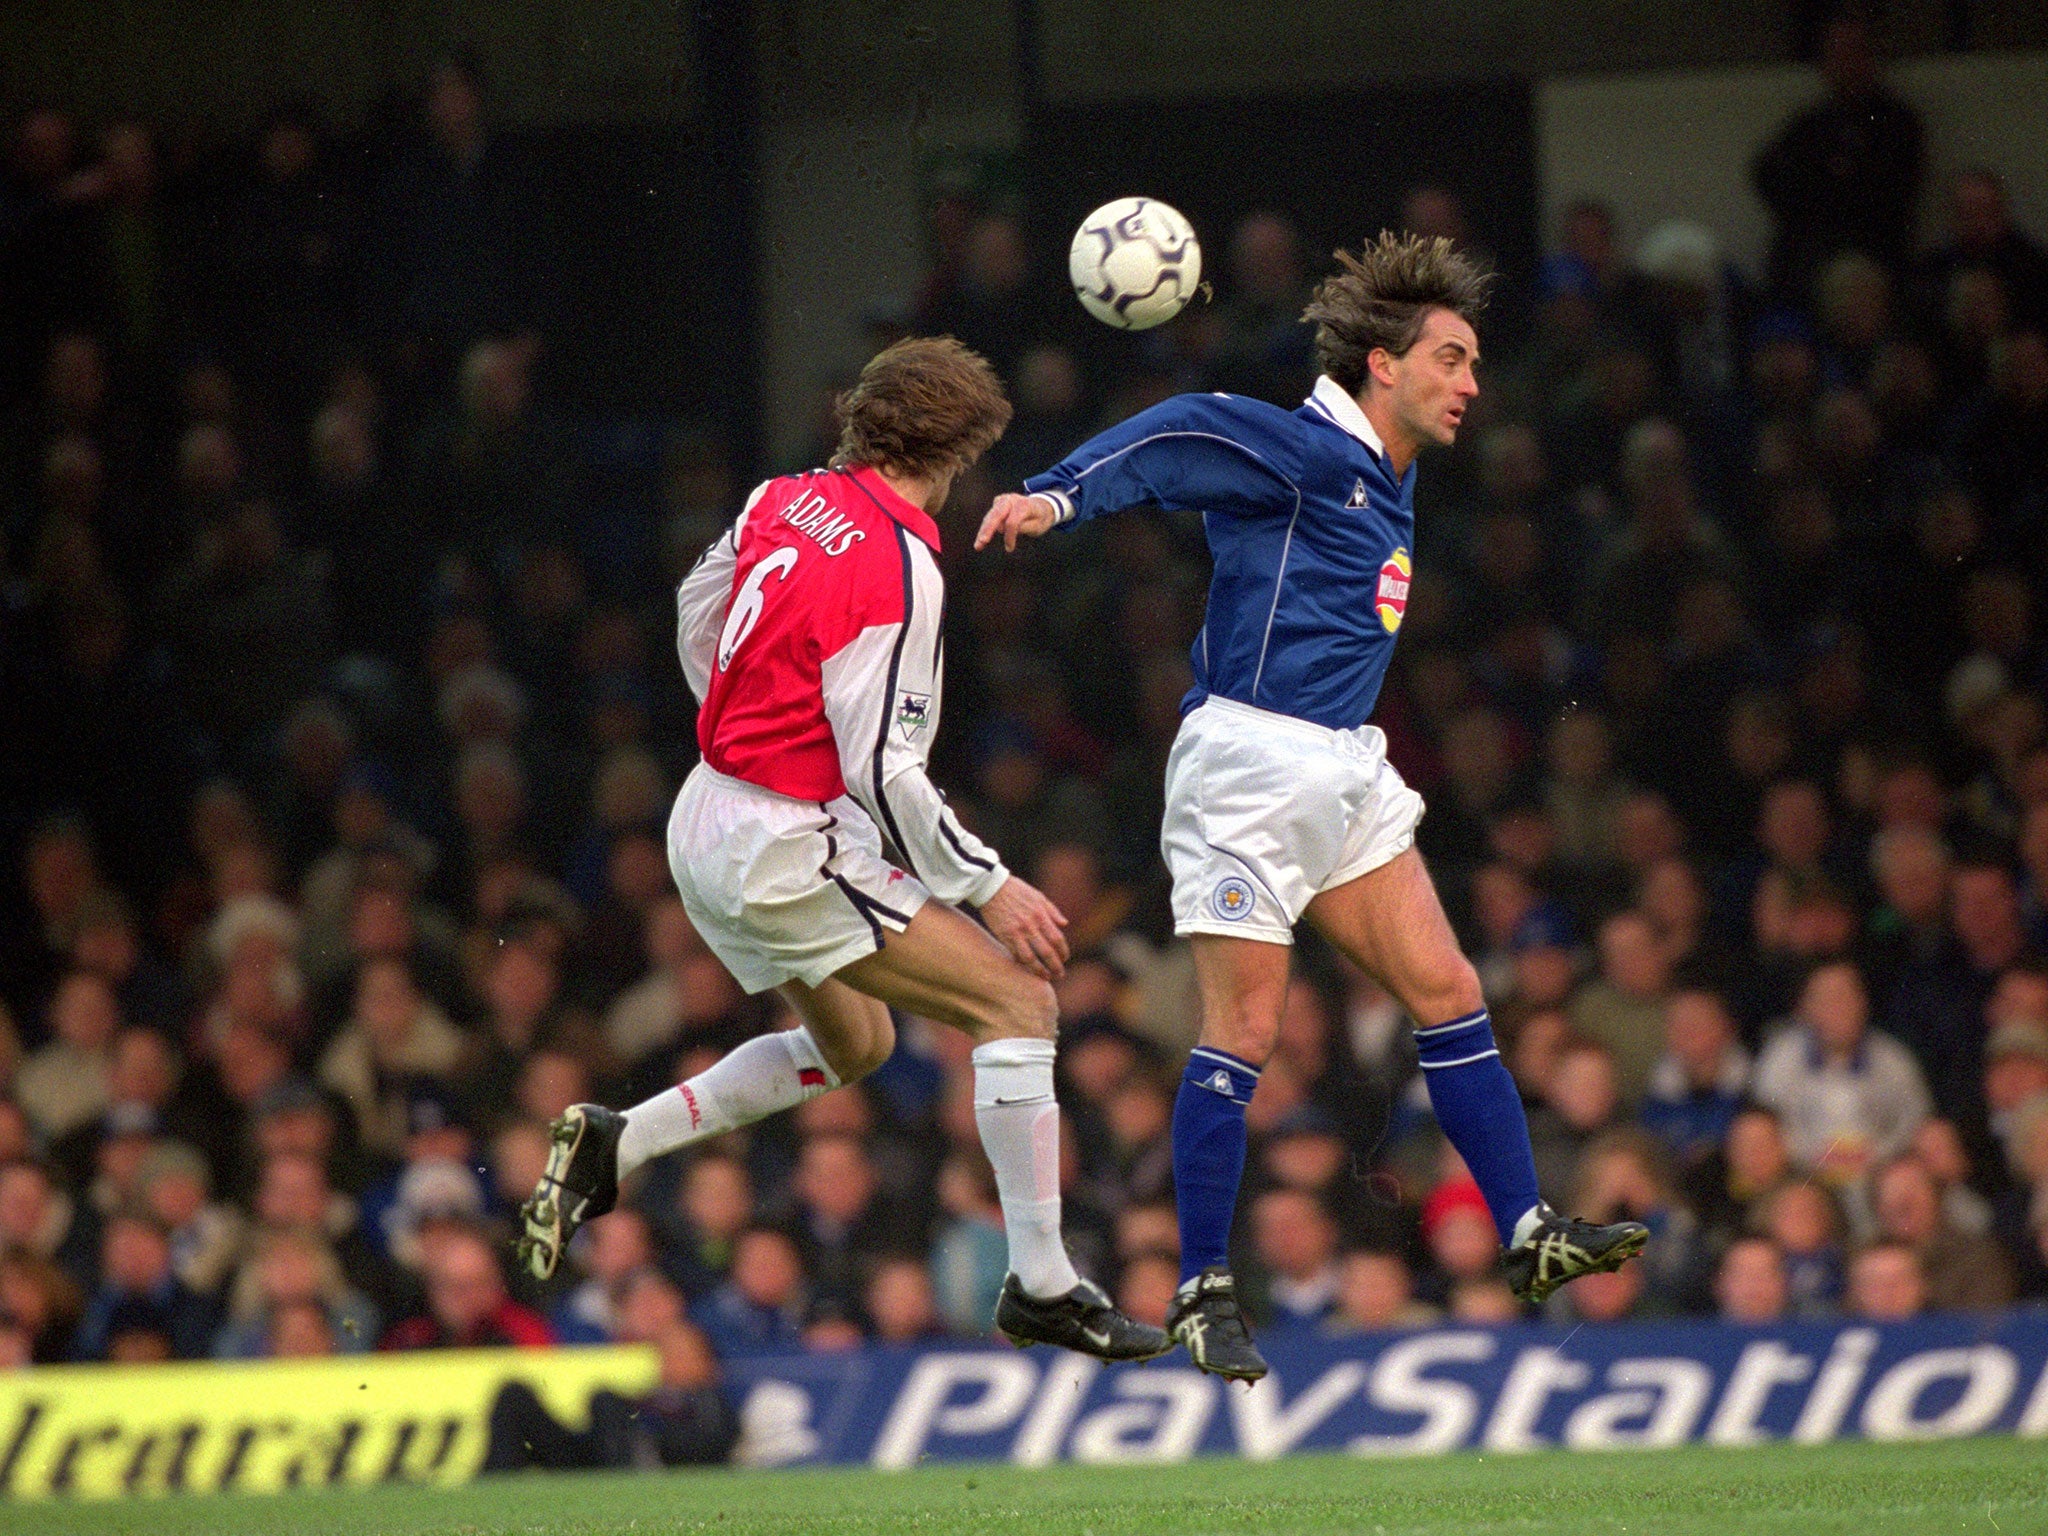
point(913, 714)
point(1233, 900)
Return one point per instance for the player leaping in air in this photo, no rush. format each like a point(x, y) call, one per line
point(811, 634)
point(1280, 802)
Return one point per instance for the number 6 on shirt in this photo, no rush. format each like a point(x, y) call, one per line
point(747, 603)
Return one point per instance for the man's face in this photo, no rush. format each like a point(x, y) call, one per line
point(1433, 382)
point(1751, 1286)
point(463, 1286)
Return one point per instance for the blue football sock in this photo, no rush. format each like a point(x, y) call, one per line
point(1208, 1154)
point(1477, 1106)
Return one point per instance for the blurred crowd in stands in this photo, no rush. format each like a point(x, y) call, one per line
point(335, 780)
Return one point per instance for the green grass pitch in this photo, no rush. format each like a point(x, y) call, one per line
point(1998, 1487)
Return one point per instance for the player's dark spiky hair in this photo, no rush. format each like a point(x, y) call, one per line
point(923, 407)
point(1381, 296)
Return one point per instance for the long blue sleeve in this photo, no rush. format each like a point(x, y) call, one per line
point(1192, 453)
point(1309, 527)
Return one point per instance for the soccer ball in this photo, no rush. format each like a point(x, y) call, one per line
point(1134, 263)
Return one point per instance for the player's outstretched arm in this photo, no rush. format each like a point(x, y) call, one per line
point(1205, 453)
point(1015, 515)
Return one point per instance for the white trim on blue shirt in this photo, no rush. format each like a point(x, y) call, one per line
point(1335, 402)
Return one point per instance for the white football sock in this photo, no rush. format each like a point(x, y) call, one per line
point(751, 1081)
point(1020, 1130)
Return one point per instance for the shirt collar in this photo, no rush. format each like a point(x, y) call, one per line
point(1334, 401)
point(885, 496)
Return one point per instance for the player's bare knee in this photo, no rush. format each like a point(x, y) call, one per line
point(878, 1044)
point(1026, 1009)
point(854, 1047)
point(1448, 989)
point(1246, 1037)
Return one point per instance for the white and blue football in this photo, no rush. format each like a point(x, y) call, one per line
point(1135, 262)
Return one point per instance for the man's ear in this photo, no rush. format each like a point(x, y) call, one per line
point(1379, 364)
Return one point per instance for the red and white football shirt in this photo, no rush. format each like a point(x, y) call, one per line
point(812, 633)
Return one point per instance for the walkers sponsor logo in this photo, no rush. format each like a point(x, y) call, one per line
point(1514, 1389)
point(1390, 601)
point(1233, 900)
point(98, 1431)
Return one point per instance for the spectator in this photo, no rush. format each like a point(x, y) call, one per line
point(173, 1187)
point(971, 1256)
point(712, 1207)
point(293, 1191)
point(445, 230)
point(1456, 1232)
point(761, 1308)
point(1626, 1170)
point(1376, 1292)
point(1806, 1224)
point(393, 1036)
point(1698, 1085)
point(1846, 1095)
point(643, 1302)
point(1912, 866)
point(683, 996)
point(1844, 174)
point(1296, 1243)
point(900, 1303)
point(1750, 1165)
point(842, 1222)
point(1938, 1006)
point(1886, 1284)
point(618, 1244)
point(1940, 1150)
point(1147, 1286)
point(1264, 348)
point(1484, 1303)
point(1579, 1102)
point(66, 1083)
point(40, 1220)
point(467, 1303)
point(1751, 1286)
point(140, 1292)
point(1960, 1272)
point(289, 1269)
point(2015, 1071)
point(1982, 235)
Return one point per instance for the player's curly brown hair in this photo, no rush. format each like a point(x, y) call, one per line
point(1381, 296)
point(925, 406)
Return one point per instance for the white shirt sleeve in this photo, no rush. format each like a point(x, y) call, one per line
point(704, 597)
point(882, 698)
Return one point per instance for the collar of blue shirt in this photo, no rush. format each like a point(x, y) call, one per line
point(1330, 398)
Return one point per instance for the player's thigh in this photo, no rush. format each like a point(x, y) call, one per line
point(947, 967)
point(1391, 922)
point(853, 1032)
point(1243, 984)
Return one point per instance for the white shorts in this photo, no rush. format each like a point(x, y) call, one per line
point(783, 889)
point(1265, 810)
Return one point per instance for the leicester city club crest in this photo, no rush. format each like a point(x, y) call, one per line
point(1233, 900)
